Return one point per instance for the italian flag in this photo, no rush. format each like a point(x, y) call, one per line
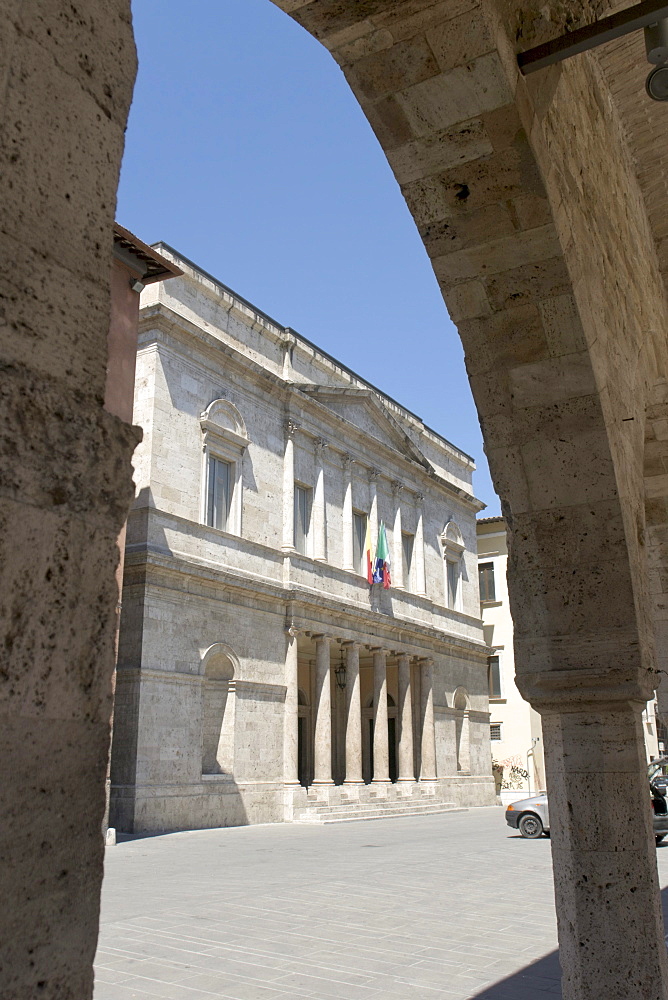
point(381, 572)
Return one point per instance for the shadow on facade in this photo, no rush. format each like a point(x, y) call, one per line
point(543, 978)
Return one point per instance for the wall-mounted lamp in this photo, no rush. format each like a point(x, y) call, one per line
point(656, 47)
point(341, 674)
point(136, 285)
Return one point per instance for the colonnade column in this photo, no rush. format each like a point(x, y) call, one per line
point(406, 767)
point(353, 715)
point(428, 768)
point(381, 753)
point(319, 514)
point(348, 515)
point(322, 750)
point(291, 721)
point(420, 577)
point(288, 544)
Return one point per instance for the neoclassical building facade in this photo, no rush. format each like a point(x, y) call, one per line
point(260, 677)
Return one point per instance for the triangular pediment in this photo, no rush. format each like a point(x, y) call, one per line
point(363, 409)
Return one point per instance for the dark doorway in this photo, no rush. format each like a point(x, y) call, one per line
point(392, 746)
point(302, 760)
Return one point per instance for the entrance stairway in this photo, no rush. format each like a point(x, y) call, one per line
point(347, 804)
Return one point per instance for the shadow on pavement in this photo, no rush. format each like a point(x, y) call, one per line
point(543, 978)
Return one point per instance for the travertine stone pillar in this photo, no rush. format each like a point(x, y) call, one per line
point(319, 512)
point(322, 750)
point(373, 509)
point(596, 774)
point(397, 570)
point(428, 756)
point(348, 515)
point(289, 487)
point(406, 772)
point(353, 715)
point(381, 754)
point(290, 723)
point(420, 577)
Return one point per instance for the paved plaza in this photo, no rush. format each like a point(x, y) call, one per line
point(442, 907)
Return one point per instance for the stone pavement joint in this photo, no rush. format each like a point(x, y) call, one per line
point(450, 906)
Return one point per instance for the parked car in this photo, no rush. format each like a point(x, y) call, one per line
point(531, 816)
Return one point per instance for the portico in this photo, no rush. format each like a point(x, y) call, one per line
point(360, 713)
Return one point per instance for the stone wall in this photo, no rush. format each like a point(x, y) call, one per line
point(65, 477)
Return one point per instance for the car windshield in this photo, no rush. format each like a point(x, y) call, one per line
point(658, 767)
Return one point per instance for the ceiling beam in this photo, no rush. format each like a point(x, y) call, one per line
point(608, 28)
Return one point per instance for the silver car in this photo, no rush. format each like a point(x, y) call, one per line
point(530, 816)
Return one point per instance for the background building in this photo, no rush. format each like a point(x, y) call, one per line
point(255, 661)
point(515, 727)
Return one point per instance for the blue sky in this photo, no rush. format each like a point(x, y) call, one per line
point(247, 152)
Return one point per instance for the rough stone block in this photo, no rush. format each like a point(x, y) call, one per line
point(456, 96)
point(383, 73)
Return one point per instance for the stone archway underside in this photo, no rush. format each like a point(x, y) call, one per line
point(542, 221)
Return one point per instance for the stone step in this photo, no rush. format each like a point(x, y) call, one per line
point(357, 815)
point(376, 807)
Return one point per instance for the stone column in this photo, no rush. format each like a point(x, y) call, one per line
point(348, 515)
point(397, 566)
point(319, 512)
point(289, 487)
point(290, 723)
point(322, 749)
point(353, 715)
point(405, 713)
point(603, 853)
point(420, 576)
point(381, 753)
point(428, 755)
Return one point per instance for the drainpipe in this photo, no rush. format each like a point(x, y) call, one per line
point(530, 753)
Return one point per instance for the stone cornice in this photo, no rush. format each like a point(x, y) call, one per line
point(159, 318)
point(228, 300)
point(313, 612)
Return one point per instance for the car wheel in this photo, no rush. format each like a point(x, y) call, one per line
point(660, 837)
point(530, 826)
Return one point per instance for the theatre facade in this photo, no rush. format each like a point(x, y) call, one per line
point(260, 677)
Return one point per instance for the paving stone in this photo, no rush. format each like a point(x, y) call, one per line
point(441, 907)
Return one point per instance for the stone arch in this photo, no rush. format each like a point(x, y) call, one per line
point(559, 301)
point(217, 669)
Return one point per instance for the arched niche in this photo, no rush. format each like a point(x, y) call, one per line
point(461, 704)
point(218, 668)
point(460, 699)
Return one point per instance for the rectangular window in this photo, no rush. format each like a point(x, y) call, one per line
point(493, 677)
point(302, 518)
point(218, 494)
point(407, 554)
point(453, 584)
point(495, 731)
point(486, 578)
point(359, 538)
